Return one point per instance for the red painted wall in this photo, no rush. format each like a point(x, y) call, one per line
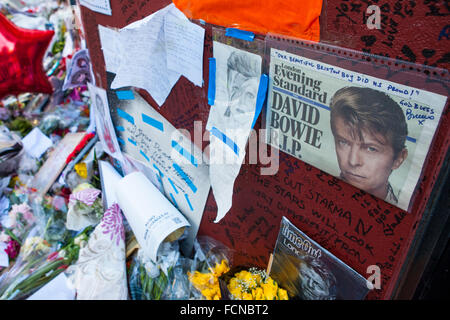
point(359, 229)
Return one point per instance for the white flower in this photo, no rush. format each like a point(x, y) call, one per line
point(83, 243)
point(80, 239)
point(35, 244)
point(4, 237)
point(62, 254)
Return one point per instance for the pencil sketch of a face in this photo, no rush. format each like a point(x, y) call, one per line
point(242, 87)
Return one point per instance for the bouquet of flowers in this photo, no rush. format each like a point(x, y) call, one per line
point(10, 246)
point(208, 283)
point(211, 261)
point(15, 227)
point(252, 284)
point(20, 219)
point(38, 263)
point(148, 280)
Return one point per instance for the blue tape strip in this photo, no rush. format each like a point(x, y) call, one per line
point(160, 180)
point(125, 115)
point(189, 203)
point(173, 185)
point(125, 95)
point(261, 97)
point(160, 172)
point(219, 134)
point(184, 153)
point(413, 140)
point(173, 199)
point(120, 140)
point(53, 68)
point(120, 128)
point(153, 122)
point(240, 34)
point(212, 81)
point(132, 141)
point(144, 155)
point(185, 177)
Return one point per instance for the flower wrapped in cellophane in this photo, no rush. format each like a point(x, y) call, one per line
point(85, 207)
point(208, 282)
point(38, 263)
point(148, 280)
point(211, 261)
point(14, 228)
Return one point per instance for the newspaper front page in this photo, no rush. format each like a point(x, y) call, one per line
point(370, 132)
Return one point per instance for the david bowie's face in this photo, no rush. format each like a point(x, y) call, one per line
point(242, 93)
point(365, 163)
point(312, 285)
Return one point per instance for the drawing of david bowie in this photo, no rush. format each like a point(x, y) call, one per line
point(370, 131)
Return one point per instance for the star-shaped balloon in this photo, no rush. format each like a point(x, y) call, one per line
point(21, 54)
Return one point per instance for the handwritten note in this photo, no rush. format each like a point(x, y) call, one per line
point(184, 45)
point(159, 55)
point(111, 46)
point(397, 89)
point(149, 138)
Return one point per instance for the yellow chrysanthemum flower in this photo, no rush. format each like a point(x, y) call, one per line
point(221, 268)
point(258, 294)
point(81, 170)
point(235, 292)
point(282, 294)
point(208, 283)
point(247, 296)
point(209, 293)
point(270, 289)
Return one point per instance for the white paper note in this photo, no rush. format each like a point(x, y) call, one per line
point(36, 143)
point(165, 45)
point(57, 289)
point(112, 48)
point(145, 65)
point(100, 6)
point(151, 216)
point(184, 45)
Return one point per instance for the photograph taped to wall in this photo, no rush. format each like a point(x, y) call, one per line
point(309, 272)
point(368, 131)
point(103, 123)
point(80, 71)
